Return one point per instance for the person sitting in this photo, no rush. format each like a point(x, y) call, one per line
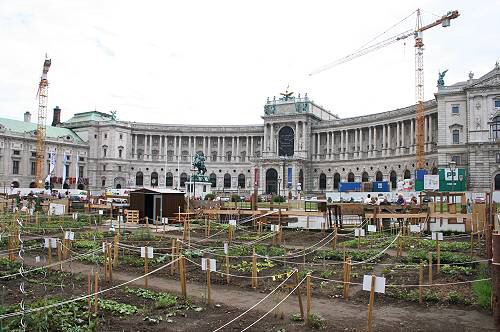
point(401, 200)
point(368, 199)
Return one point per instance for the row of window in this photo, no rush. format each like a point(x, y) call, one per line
point(16, 167)
point(455, 109)
point(169, 180)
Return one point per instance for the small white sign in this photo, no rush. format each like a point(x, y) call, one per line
point(50, 241)
point(101, 212)
point(431, 182)
point(359, 232)
point(149, 251)
point(415, 228)
point(164, 221)
point(37, 259)
point(210, 262)
point(57, 209)
point(75, 215)
point(120, 218)
point(232, 222)
point(69, 235)
point(226, 248)
point(379, 283)
point(372, 228)
point(275, 228)
point(437, 236)
point(103, 247)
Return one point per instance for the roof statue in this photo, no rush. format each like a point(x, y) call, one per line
point(286, 95)
point(113, 115)
point(440, 82)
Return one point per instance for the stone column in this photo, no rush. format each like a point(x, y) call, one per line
point(384, 140)
point(150, 147)
point(426, 134)
point(370, 130)
point(356, 142)
point(304, 136)
point(398, 137)
point(237, 154)
point(374, 151)
point(327, 145)
point(250, 151)
point(272, 138)
point(295, 138)
point(179, 151)
point(403, 141)
point(204, 146)
point(264, 148)
point(430, 132)
point(412, 136)
point(160, 153)
point(318, 146)
point(223, 147)
point(346, 141)
point(135, 145)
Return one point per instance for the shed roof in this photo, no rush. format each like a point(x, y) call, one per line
point(22, 127)
point(157, 191)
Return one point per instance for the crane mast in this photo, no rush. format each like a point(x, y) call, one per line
point(42, 94)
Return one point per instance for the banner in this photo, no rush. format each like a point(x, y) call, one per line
point(52, 166)
point(65, 158)
point(76, 169)
point(289, 177)
point(431, 182)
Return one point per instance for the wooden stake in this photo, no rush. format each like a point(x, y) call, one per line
point(110, 263)
point(299, 296)
point(209, 288)
point(472, 244)
point(227, 269)
point(370, 305)
point(49, 252)
point(172, 257)
point(254, 269)
point(115, 251)
point(430, 268)
point(96, 289)
point(59, 254)
point(334, 240)
point(438, 266)
point(89, 291)
point(146, 267)
point(183, 277)
point(420, 282)
point(308, 293)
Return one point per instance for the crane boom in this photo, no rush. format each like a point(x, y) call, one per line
point(42, 94)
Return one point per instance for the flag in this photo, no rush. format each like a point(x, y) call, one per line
point(64, 169)
point(52, 165)
point(76, 170)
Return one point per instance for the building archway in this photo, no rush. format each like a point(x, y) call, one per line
point(213, 180)
point(139, 179)
point(497, 182)
point(322, 181)
point(118, 186)
point(407, 174)
point(154, 179)
point(32, 185)
point(169, 179)
point(241, 180)
point(301, 179)
point(183, 179)
point(286, 139)
point(379, 176)
point(394, 179)
point(14, 184)
point(227, 181)
point(336, 180)
point(435, 171)
point(271, 181)
point(119, 182)
point(350, 177)
point(80, 187)
point(364, 177)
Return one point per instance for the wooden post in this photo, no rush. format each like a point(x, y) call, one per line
point(370, 305)
point(430, 268)
point(227, 269)
point(89, 291)
point(488, 240)
point(146, 267)
point(308, 291)
point(183, 277)
point(420, 282)
point(96, 289)
point(115, 251)
point(472, 243)
point(334, 240)
point(347, 277)
point(209, 288)
point(495, 279)
point(49, 252)
point(172, 257)
point(59, 254)
point(110, 262)
point(254, 269)
point(299, 296)
point(438, 252)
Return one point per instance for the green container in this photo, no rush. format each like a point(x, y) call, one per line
point(419, 185)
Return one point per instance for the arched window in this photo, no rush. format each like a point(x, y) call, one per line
point(322, 181)
point(379, 176)
point(495, 128)
point(154, 179)
point(14, 184)
point(169, 180)
point(81, 187)
point(407, 174)
point(213, 180)
point(350, 177)
point(139, 179)
point(336, 180)
point(241, 181)
point(183, 179)
point(364, 177)
point(272, 181)
point(301, 179)
point(434, 171)
point(119, 186)
point(32, 185)
point(394, 179)
point(497, 182)
point(227, 180)
point(285, 141)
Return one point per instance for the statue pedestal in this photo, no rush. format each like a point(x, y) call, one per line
point(198, 189)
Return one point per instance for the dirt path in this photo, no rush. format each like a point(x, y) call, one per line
point(339, 313)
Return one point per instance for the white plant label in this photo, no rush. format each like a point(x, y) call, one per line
point(232, 222)
point(69, 235)
point(75, 215)
point(359, 232)
point(149, 250)
point(120, 218)
point(226, 248)
point(164, 220)
point(37, 259)
point(210, 263)
point(415, 228)
point(50, 241)
point(437, 236)
point(103, 247)
point(275, 228)
point(372, 228)
point(379, 283)
point(101, 212)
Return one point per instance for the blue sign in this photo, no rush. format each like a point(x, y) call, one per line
point(289, 177)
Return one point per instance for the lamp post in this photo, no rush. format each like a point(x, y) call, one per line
point(279, 186)
point(453, 167)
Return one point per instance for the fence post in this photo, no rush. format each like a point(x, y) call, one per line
point(495, 279)
point(430, 268)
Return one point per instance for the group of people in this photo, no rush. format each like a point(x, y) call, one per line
point(375, 200)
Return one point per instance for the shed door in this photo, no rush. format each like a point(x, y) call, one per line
point(157, 208)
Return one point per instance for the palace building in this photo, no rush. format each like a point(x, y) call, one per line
point(300, 146)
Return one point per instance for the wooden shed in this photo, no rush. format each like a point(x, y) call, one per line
point(157, 203)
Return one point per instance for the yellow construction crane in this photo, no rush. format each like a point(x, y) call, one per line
point(419, 70)
point(43, 89)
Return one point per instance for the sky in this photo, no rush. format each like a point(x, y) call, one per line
point(216, 62)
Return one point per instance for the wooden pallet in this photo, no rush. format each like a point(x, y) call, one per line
point(132, 216)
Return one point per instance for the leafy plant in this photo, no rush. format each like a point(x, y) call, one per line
point(162, 300)
point(296, 317)
point(456, 269)
point(317, 322)
point(117, 307)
